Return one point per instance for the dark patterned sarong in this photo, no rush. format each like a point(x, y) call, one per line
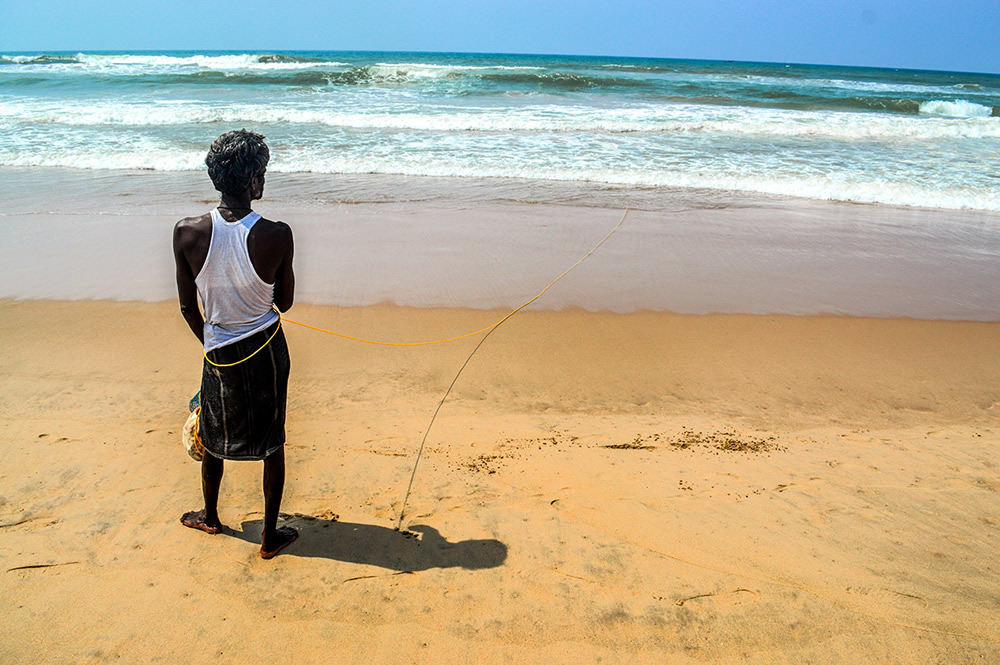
point(243, 406)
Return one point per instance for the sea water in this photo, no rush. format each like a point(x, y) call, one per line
point(891, 136)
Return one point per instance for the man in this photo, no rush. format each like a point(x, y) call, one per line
point(240, 266)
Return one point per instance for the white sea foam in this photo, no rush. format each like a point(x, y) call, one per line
point(863, 87)
point(384, 161)
point(140, 160)
point(830, 189)
point(408, 71)
point(404, 71)
point(868, 86)
point(788, 82)
point(213, 61)
point(958, 108)
point(128, 64)
point(19, 59)
point(383, 119)
point(131, 64)
point(664, 119)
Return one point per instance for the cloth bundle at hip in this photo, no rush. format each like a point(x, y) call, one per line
point(189, 435)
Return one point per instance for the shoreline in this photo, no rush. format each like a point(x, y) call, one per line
point(318, 189)
point(692, 252)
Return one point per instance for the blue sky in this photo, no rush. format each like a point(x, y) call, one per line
point(960, 35)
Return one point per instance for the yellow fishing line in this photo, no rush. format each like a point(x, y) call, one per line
point(420, 451)
point(215, 364)
point(488, 330)
point(481, 330)
point(436, 341)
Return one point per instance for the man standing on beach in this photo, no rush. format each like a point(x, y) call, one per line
point(240, 265)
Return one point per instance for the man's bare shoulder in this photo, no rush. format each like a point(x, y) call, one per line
point(190, 229)
point(199, 222)
point(273, 231)
point(279, 226)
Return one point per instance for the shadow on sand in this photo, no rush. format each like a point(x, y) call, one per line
point(420, 547)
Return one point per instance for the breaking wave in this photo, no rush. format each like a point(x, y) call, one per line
point(653, 119)
point(957, 109)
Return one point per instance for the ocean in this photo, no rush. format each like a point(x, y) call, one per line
point(889, 136)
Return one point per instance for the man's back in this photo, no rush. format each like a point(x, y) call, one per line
point(269, 244)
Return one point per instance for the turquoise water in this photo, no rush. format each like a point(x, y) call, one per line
point(913, 138)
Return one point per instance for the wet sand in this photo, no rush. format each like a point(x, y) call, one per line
point(646, 487)
point(427, 242)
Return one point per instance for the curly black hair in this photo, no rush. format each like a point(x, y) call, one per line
point(234, 159)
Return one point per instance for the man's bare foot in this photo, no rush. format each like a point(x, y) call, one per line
point(283, 537)
point(196, 520)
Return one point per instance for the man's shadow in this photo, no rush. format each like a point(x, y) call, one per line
point(419, 548)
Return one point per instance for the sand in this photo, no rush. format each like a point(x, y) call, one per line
point(747, 430)
point(622, 488)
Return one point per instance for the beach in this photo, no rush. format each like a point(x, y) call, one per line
point(748, 412)
point(674, 481)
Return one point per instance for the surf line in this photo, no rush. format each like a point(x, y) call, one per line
point(489, 331)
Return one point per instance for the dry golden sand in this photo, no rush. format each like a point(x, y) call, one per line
point(647, 487)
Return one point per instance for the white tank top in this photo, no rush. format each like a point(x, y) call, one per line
point(237, 302)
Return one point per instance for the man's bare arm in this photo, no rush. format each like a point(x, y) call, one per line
point(284, 279)
point(187, 291)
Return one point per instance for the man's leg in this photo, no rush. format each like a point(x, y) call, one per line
point(207, 519)
point(272, 539)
